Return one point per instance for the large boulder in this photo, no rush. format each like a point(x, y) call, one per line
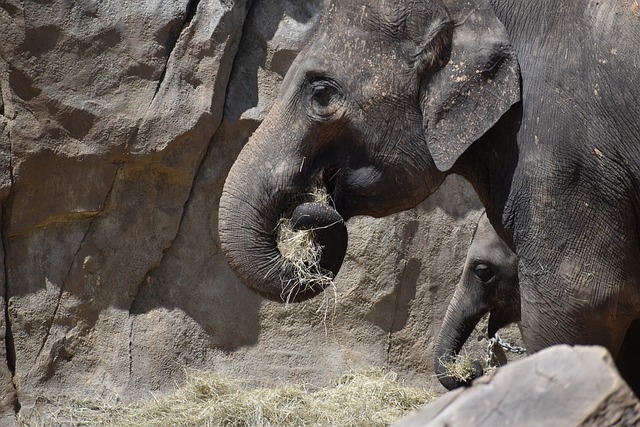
point(559, 386)
point(118, 124)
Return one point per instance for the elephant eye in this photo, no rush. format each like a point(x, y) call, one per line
point(321, 94)
point(324, 98)
point(483, 272)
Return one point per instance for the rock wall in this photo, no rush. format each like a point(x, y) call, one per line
point(118, 124)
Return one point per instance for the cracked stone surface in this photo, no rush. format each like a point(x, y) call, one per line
point(118, 124)
point(561, 385)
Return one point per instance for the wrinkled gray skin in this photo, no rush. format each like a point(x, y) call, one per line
point(534, 102)
point(489, 283)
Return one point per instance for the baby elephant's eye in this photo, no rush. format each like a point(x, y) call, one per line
point(483, 272)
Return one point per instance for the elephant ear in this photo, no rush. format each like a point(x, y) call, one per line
point(480, 82)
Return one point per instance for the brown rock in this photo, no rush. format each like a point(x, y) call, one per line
point(110, 108)
point(559, 386)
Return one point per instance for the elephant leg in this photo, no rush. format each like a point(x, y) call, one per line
point(560, 318)
point(579, 285)
point(565, 303)
point(627, 360)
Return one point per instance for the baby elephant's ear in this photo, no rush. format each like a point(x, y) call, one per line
point(480, 82)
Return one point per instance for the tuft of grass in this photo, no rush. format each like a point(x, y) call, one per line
point(459, 368)
point(319, 194)
point(301, 253)
point(369, 398)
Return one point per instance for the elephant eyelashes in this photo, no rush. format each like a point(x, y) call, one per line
point(324, 99)
point(483, 272)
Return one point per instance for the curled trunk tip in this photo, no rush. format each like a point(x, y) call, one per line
point(313, 244)
point(254, 242)
point(454, 371)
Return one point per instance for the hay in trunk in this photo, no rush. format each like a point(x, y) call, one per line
point(459, 368)
point(302, 254)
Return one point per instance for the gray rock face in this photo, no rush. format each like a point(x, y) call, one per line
point(110, 108)
point(118, 124)
point(559, 386)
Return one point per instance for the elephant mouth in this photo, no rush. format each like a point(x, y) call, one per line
point(495, 323)
point(311, 238)
point(328, 189)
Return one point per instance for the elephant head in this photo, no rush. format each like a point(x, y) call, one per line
point(376, 109)
point(489, 283)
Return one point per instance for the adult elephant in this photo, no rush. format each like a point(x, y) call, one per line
point(535, 103)
point(488, 284)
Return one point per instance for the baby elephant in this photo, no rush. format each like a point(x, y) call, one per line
point(489, 283)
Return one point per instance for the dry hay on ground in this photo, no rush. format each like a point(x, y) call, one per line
point(367, 398)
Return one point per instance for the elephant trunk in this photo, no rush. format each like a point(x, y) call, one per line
point(460, 320)
point(265, 186)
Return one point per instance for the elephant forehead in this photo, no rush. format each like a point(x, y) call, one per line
point(489, 247)
point(352, 48)
point(391, 19)
point(372, 31)
point(361, 65)
point(493, 253)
